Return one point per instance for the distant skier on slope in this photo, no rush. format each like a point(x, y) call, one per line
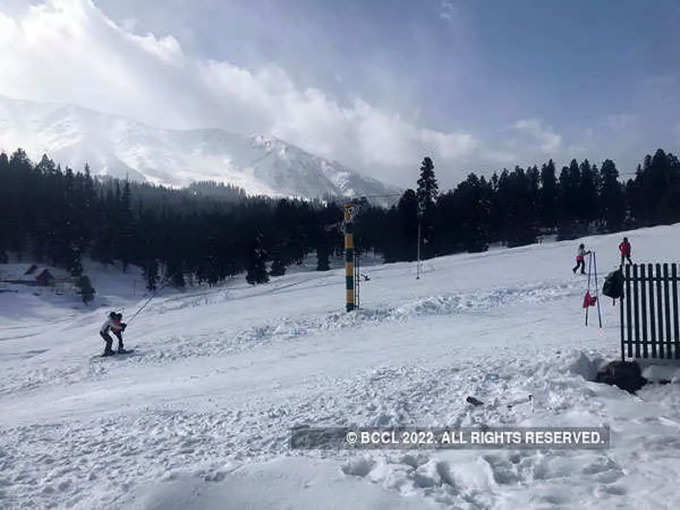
point(625, 250)
point(581, 258)
point(113, 323)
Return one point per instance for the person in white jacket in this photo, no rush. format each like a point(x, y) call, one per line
point(113, 323)
point(581, 258)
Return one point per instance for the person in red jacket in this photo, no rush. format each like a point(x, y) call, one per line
point(624, 248)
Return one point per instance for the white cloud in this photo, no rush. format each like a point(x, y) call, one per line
point(165, 48)
point(548, 141)
point(7, 29)
point(446, 10)
point(69, 51)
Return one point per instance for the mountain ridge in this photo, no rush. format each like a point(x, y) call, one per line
point(117, 146)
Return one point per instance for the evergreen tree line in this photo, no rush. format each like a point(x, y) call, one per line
point(209, 232)
point(204, 233)
point(515, 207)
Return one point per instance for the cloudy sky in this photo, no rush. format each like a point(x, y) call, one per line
point(376, 84)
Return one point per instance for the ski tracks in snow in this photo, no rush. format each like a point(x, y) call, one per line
point(285, 329)
point(96, 460)
point(117, 453)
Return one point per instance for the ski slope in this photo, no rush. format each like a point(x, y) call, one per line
point(200, 416)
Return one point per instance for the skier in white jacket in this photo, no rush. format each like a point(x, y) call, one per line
point(581, 258)
point(113, 323)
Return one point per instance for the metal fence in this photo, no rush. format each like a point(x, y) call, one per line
point(649, 312)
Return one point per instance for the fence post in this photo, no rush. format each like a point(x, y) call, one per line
point(659, 309)
point(636, 311)
point(667, 310)
point(623, 342)
point(660, 320)
point(652, 316)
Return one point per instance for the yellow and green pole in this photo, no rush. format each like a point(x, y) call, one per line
point(349, 257)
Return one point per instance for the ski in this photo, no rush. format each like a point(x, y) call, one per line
point(476, 402)
point(115, 354)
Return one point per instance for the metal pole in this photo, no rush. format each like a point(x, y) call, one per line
point(597, 295)
point(357, 280)
point(590, 260)
point(418, 264)
point(349, 258)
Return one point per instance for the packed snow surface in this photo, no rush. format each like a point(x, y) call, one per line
point(121, 147)
point(200, 415)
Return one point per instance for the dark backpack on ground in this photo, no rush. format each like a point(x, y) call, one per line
point(613, 285)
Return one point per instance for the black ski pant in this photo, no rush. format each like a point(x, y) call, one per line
point(625, 257)
point(109, 341)
point(582, 264)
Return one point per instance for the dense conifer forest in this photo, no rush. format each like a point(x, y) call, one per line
point(208, 232)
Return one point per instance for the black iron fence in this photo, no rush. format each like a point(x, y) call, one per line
point(649, 312)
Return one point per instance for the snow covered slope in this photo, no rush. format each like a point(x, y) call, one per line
point(200, 416)
point(121, 147)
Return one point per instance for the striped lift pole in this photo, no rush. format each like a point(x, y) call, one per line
point(349, 256)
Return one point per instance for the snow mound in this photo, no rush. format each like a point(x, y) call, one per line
point(586, 364)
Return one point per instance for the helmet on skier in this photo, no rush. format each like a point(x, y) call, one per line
point(625, 239)
point(113, 315)
point(581, 245)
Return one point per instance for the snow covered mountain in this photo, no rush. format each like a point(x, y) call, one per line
point(121, 147)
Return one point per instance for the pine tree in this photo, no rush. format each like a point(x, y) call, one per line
point(571, 189)
point(548, 194)
point(5, 208)
point(20, 170)
point(533, 183)
point(428, 189)
point(85, 289)
point(151, 274)
point(587, 192)
point(104, 227)
point(427, 193)
point(278, 267)
point(125, 226)
point(407, 210)
point(612, 199)
point(74, 266)
point(257, 263)
point(175, 272)
point(569, 202)
point(278, 261)
point(322, 257)
point(472, 205)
